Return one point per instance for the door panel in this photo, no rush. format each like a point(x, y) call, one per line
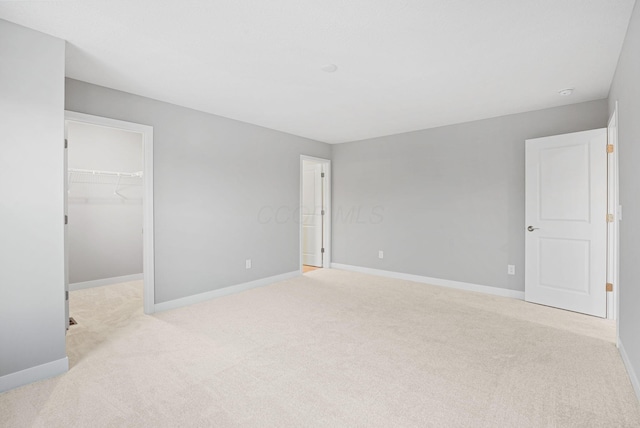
point(312, 206)
point(566, 185)
point(573, 273)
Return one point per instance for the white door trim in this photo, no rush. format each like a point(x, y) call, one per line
point(613, 204)
point(147, 204)
point(326, 232)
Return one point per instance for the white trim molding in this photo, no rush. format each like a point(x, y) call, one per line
point(34, 374)
point(633, 376)
point(613, 204)
point(503, 292)
point(233, 289)
point(148, 256)
point(105, 281)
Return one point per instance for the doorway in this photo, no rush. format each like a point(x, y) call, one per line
point(315, 224)
point(109, 200)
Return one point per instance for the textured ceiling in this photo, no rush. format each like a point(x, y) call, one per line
point(403, 65)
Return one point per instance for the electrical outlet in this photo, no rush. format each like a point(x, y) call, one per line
point(381, 254)
point(511, 269)
point(247, 263)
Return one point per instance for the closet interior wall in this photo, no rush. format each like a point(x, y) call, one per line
point(105, 169)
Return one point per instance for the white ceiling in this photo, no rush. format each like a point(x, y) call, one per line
point(403, 65)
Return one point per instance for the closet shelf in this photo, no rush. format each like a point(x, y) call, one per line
point(137, 174)
point(117, 179)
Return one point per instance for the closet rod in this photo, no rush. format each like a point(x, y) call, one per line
point(110, 173)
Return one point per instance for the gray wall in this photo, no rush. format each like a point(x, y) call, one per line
point(32, 325)
point(213, 178)
point(105, 229)
point(444, 202)
point(626, 90)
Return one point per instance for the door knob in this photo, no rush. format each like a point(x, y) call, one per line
point(531, 228)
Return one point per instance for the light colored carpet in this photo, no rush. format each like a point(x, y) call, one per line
point(330, 348)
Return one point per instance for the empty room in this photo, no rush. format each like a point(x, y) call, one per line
point(320, 213)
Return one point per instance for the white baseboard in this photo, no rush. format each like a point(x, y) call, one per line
point(233, 289)
point(34, 374)
point(434, 281)
point(630, 371)
point(105, 281)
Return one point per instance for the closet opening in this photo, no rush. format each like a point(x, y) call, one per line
point(108, 223)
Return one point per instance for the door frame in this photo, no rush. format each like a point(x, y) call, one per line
point(326, 219)
point(148, 253)
point(613, 228)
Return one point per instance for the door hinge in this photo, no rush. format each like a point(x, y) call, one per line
point(322, 174)
point(609, 148)
point(610, 218)
point(322, 212)
point(609, 286)
point(322, 250)
point(66, 143)
point(66, 219)
point(66, 295)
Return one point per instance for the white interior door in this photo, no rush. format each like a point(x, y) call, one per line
point(312, 211)
point(566, 208)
